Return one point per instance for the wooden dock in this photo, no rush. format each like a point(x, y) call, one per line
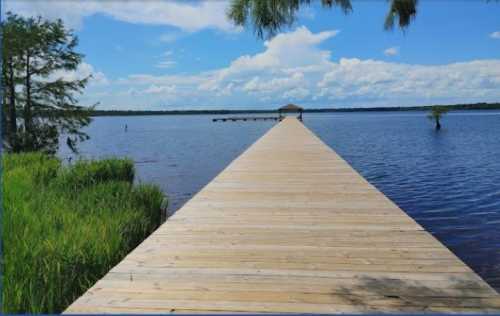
point(245, 118)
point(289, 226)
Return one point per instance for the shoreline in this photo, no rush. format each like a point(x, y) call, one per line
point(461, 107)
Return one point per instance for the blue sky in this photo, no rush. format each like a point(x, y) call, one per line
point(155, 55)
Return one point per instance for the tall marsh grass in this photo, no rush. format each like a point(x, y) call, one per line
point(64, 227)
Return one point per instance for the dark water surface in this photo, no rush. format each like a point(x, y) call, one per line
point(180, 153)
point(449, 181)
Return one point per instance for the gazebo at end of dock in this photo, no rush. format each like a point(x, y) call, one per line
point(290, 108)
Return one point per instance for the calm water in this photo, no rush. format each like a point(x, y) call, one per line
point(448, 181)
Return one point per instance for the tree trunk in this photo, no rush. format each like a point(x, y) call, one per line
point(4, 119)
point(12, 128)
point(438, 124)
point(28, 124)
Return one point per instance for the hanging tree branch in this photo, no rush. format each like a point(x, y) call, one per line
point(268, 17)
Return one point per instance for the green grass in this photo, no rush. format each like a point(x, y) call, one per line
point(65, 227)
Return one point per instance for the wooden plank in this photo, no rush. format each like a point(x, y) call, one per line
point(289, 226)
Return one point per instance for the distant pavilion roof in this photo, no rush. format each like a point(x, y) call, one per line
point(290, 108)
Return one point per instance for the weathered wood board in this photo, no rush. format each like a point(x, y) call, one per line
point(289, 226)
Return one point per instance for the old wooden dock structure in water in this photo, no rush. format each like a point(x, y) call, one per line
point(245, 118)
point(289, 226)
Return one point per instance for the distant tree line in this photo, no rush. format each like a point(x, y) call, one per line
point(475, 106)
point(39, 103)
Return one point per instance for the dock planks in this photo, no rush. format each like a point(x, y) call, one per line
point(289, 226)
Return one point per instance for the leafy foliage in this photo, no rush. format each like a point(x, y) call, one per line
point(436, 113)
point(268, 17)
point(403, 10)
point(39, 101)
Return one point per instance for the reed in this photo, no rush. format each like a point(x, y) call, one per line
point(64, 227)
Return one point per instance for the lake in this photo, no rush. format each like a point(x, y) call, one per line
point(448, 181)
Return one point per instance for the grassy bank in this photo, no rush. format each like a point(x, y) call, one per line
point(65, 227)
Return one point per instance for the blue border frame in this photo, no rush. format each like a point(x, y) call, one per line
point(1, 165)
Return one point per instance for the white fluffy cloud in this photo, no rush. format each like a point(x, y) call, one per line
point(495, 35)
point(371, 79)
point(293, 68)
point(294, 49)
point(84, 70)
point(98, 86)
point(186, 15)
point(391, 51)
point(170, 37)
point(284, 58)
point(167, 61)
point(154, 89)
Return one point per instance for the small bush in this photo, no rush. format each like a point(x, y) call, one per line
point(65, 227)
